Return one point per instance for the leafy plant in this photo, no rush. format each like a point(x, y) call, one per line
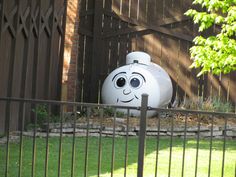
point(43, 116)
point(221, 106)
point(120, 114)
point(41, 112)
point(217, 53)
point(110, 112)
point(211, 104)
point(31, 126)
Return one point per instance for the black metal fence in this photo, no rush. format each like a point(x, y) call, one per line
point(79, 139)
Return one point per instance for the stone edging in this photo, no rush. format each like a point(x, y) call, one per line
point(120, 130)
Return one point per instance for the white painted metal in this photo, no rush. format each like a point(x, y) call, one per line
point(125, 85)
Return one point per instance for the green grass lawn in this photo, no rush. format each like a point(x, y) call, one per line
point(149, 168)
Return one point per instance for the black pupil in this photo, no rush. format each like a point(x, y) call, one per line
point(134, 82)
point(120, 82)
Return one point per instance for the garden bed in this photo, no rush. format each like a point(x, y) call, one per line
point(169, 126)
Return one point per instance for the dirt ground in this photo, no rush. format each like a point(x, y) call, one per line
point(165, 121)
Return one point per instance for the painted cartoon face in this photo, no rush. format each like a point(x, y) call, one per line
point(128, 84)
point(125, 86)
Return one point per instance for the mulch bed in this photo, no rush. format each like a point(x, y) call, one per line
point(165, 121)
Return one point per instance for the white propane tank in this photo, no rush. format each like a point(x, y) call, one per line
point(126, 84)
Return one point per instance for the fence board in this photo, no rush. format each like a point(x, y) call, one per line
point(105, 63)
point(224, 86)
point(168, 9)
point(87, 69)
point(88, 56)
point(12, 27)
point(96, 52)
point(124, 39)
point(82, 53)
point(160, 9)
point(85, 54)
point(119, 27)
point(142, 17)
point(3, 69)
point(114, 25)
point(134, 15)
point(185, 78)
point(232, 93)
point(80, 70)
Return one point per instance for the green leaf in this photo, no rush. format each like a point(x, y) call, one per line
point(216, 53)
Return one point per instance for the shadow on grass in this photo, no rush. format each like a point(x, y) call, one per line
point(119, 157)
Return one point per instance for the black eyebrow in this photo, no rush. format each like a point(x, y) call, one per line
point(118, 74)
point(140, 75)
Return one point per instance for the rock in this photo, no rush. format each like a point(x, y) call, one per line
point(124, 133)
point(181, 134)
point(120, 120)
point(107, 132)
point(195, 129)
point(67, 130)
point(116, 128)
point(96, 126)
point(231, 127)
point(214, 133)
point(131, 129)
point(155, 134)
point(180, 129)
point(154, 129)
point(231, 133)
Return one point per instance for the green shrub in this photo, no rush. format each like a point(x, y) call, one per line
point(211, 104)
point(43, 116)
point(221, 106)
point(41, 112)
point(109, 112)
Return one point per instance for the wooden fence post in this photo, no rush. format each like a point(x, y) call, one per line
point(97, 52)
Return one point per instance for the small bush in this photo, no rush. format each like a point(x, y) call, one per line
point(221, 106)
point(110, 112)
point(43, 116)
point(41, 112)
point(210, 104)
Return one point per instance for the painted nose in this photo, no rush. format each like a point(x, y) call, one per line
point(126, 91)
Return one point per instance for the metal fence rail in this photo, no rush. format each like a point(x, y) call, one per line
point(83, 135)
point(211, 116)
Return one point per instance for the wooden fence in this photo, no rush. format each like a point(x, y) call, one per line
point(31, 48)
point(109, 29)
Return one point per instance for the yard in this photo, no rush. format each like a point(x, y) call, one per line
point(106, 144)
point(55, 57)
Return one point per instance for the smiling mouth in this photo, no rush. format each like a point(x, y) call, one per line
point(128, 101)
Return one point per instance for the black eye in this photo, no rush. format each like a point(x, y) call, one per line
point(120, 82)
point(135, 82)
